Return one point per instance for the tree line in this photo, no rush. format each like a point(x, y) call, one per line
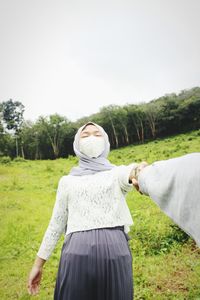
point(52, 136)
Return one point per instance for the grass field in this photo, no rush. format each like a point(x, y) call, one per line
point(166, 262)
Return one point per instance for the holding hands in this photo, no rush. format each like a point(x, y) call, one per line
point(135, 173)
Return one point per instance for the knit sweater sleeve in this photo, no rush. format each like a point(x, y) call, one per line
point(57, 224)
point(123, 176)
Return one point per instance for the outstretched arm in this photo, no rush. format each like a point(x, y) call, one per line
point(174, 185)
point(127, 175)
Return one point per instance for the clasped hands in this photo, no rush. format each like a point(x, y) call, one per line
point(135, 173)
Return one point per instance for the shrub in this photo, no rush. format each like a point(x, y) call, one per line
point(19, 159)
point(5, 160)
point(198, 132)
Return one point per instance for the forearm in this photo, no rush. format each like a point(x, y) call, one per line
point(39, 262)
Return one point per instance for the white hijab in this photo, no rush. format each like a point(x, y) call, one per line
point(92, 165)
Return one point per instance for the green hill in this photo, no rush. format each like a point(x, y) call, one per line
point(166, 262)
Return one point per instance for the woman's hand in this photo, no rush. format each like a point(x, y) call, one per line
point(134, 180)
point(141, 166)
point(135, 183)
point(34, 280)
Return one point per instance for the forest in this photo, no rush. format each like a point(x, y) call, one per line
point(51, 137)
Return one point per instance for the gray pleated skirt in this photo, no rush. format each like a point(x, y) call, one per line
point(95, 264)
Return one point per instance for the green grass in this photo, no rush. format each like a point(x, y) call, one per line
point(166, 262)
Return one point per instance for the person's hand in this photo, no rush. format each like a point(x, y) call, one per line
point(134, 180)
point(135, 183)
point(142, 165)
point(34, 280)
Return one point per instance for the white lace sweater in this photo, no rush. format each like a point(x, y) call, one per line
point(88, 202)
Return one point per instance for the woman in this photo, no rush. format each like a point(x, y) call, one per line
point(91, 210)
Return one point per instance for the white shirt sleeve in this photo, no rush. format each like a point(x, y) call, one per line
point(123, 176)
point(143, 177)
point(174, 185)
point(58, 222)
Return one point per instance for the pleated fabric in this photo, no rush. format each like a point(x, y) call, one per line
point(95, 264)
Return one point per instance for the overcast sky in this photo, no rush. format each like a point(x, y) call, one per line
point(72, 56)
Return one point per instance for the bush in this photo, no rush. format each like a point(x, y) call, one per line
point(5, 160)
point(72, 158)
point(198, 132)
point(19, 159)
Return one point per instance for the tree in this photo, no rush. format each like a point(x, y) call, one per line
point(108, 112)
point(136, 118)
point(55, 127)
point(168, 117)
point(122, 116)
point(151, 110)
point(12, 114)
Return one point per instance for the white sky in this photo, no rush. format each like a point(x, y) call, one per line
point(73, 57)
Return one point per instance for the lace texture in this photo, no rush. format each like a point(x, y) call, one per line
point(88, 202)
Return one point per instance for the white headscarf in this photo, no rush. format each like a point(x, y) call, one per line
point(92, 165)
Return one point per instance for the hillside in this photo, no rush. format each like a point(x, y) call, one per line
point(166, 262)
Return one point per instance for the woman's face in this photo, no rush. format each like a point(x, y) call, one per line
point(91, 142)
point(90, 130)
